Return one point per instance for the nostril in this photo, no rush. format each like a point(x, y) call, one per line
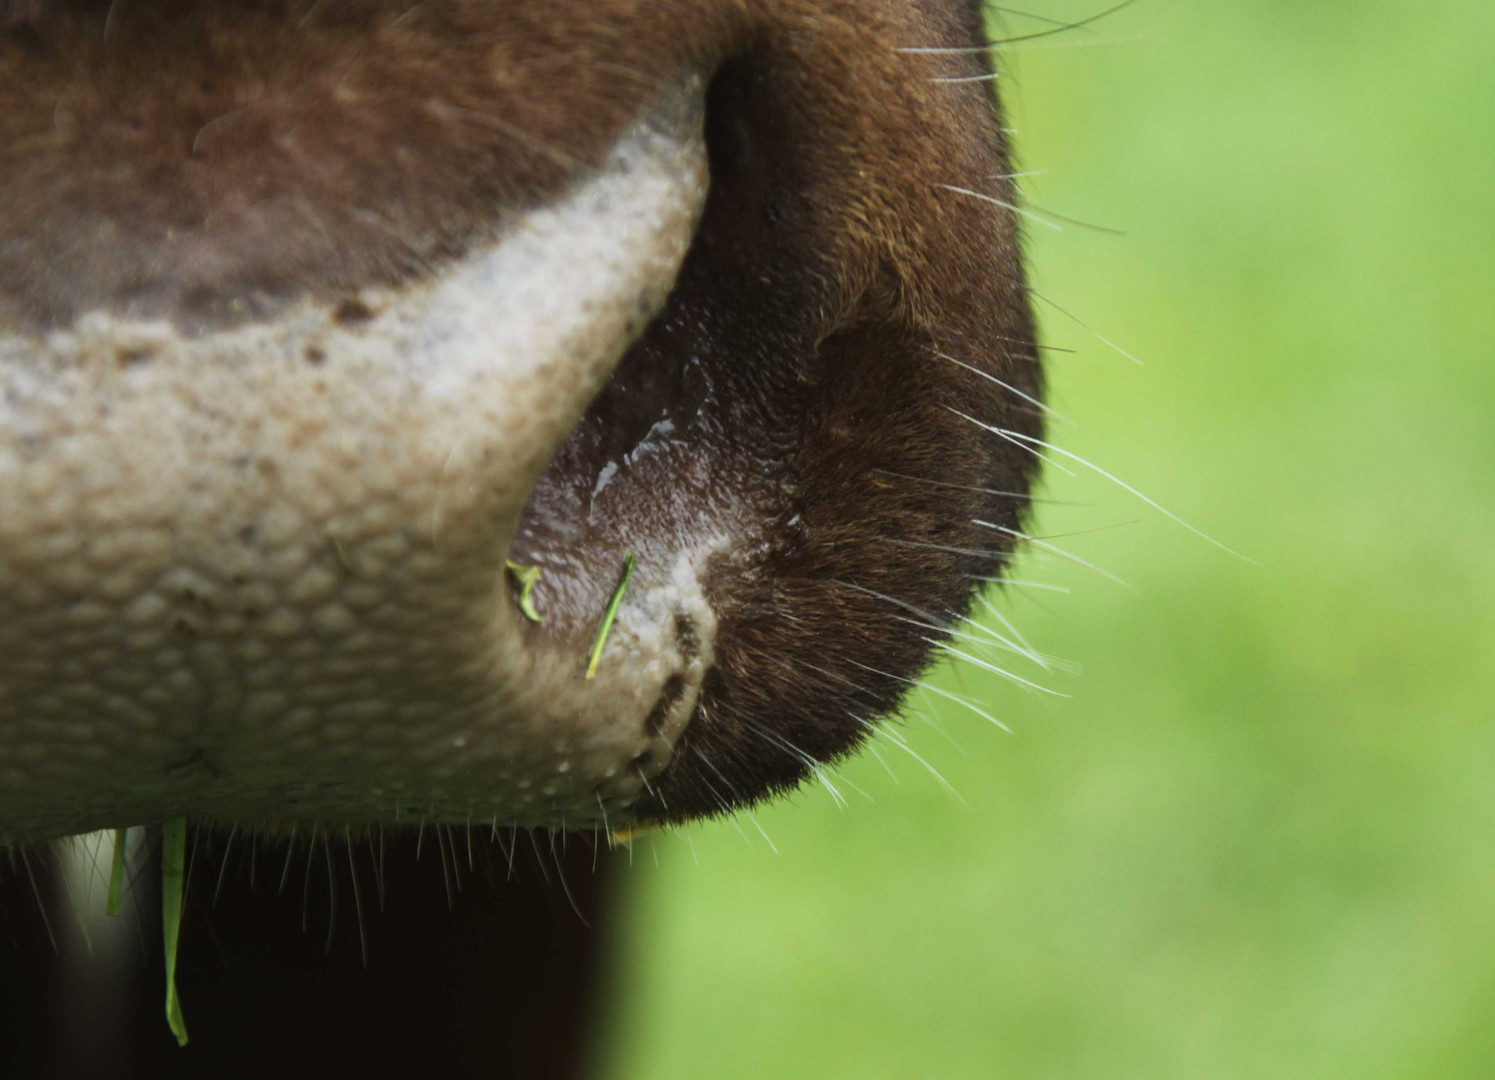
point(353, 312)
point(669, 697)
point(650, 761)
point(687, 638)
point(730, 139)
point(749, 145)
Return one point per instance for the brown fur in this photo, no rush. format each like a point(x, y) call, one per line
point(205, 160)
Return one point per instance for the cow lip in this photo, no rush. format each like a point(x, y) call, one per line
point(258, 572)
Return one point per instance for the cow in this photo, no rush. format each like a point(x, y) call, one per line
point(576, 416)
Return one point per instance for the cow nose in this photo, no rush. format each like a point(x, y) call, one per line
point(259, 567)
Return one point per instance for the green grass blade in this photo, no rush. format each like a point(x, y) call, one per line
point(173, 860)
point(116, 873)
point(526, 577)
point(604, 627)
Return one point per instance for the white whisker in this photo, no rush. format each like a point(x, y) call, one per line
point(753, 820)
point(1020, 584)
point(990, 76)
point(1080, 222)
point(986, 638)
point(1029, 398)
point(871, 748)
point(1042, 46)
point(1087, 328)
point(897, 740)
point(1016, 209)
point(1046, 546)
point(1021, 438)
point(978, 490)
point(928, 545)
point(1024, 646)
point(808, 762)
point(931, 621)
point(994, 669)
point(923, 686)
point(929, 713)
point(1050, 462)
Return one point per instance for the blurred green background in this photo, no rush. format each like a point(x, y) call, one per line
point(1258, 838)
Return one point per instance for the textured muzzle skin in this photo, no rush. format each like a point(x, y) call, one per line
point(259, 571)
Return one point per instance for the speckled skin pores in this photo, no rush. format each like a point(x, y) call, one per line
point(257, 574)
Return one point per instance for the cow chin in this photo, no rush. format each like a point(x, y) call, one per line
point(488, 412)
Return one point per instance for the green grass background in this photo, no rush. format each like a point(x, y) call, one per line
point(1258, 839)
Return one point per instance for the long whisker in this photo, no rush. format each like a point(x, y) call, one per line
point(1019, 439)
point(1029, 398)
point(1061, 28)
point(898, 741)
point(994, 669)
point(1072, 317)
point(1046, 546)
point(958, 699)
point(977, 490)
point(1020, 584)
point(1016, 209)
